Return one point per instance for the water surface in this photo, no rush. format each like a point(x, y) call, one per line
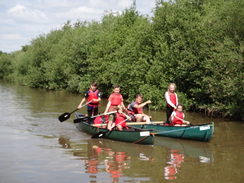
point(36, 147)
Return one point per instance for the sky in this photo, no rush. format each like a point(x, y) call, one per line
point(24, 20)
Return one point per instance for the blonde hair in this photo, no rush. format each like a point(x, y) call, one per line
point(173, 85)
point(119, 107)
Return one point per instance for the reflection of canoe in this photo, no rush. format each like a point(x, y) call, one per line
point(189, 148)
point(131, 135)
point(203, 132)
point(132, 150)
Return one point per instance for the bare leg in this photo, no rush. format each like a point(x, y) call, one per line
point(138, 117)
point(146, 118)
point(110, 125)
point(120, 128)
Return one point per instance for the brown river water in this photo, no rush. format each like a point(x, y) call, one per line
point(37, 148)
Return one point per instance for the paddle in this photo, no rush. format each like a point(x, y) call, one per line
point(78, 120)
point(149, 110)
point(133, 123)
point(102, 134)
point(66, 115)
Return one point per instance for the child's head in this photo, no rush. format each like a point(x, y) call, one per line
point(139, 98)
point(116, 89)
point(179, 107)
point(172, 87)
point(94, 86)
point(119, 108)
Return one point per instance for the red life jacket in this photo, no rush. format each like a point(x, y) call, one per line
point(116, 99)
point(119, 118)
point(101, 119)
point(120, 157)
point(170, 172)
point(93, 95)
point(172, 98)
point(179, 115)
point(134, 110)
point(92, 166)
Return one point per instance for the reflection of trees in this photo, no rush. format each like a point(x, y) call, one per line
point(65, 142)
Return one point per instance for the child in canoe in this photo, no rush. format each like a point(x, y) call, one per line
point(93, 97)
point(171, 101)
point(114, 100)
point(135, 110)
point(119, 119)
point(177, 117)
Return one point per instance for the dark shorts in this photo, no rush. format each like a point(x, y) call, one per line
point(133, 118)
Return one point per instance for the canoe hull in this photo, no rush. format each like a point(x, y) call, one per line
point(132, 135)
point(202, 132)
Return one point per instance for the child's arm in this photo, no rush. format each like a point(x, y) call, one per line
point(82, 101)
point(99, 98)
point(107, 107)
point(111, 124)
point(96, 100)
point(128, 117)
point(142, 104)
point(172, 116)
point(167, 98)
point(123, 106)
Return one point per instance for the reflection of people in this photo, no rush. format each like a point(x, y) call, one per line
point(177, 117)
point(135, 109)
point(176, 158)
point(115, 166)
point(93, 162)
point(171, 100)
point(119, 120)
point(93, 96)
point(92, 165)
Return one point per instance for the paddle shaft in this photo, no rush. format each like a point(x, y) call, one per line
point(184, 121)
point(66, 115)
point(134, 123)
point(149, 111)
point(104, 114)
point(181, 119)
point(101, 134)
point(78, 120)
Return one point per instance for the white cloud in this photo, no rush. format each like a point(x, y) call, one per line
point(24, 20)
point(125, 4)
point(20, 12)
point(81, 12)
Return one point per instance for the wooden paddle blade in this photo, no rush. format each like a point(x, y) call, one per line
point(99, 135)
point(64, 117)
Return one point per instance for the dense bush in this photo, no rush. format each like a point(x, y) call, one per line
point(198, 44)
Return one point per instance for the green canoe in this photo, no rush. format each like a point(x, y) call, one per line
point(131, 135)
point(203, 132)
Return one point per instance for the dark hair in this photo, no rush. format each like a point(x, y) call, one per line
point(179, 105)
point(116, 86)
point(94, 84)
point(139, 95)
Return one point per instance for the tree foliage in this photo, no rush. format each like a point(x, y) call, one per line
point(198, 44)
